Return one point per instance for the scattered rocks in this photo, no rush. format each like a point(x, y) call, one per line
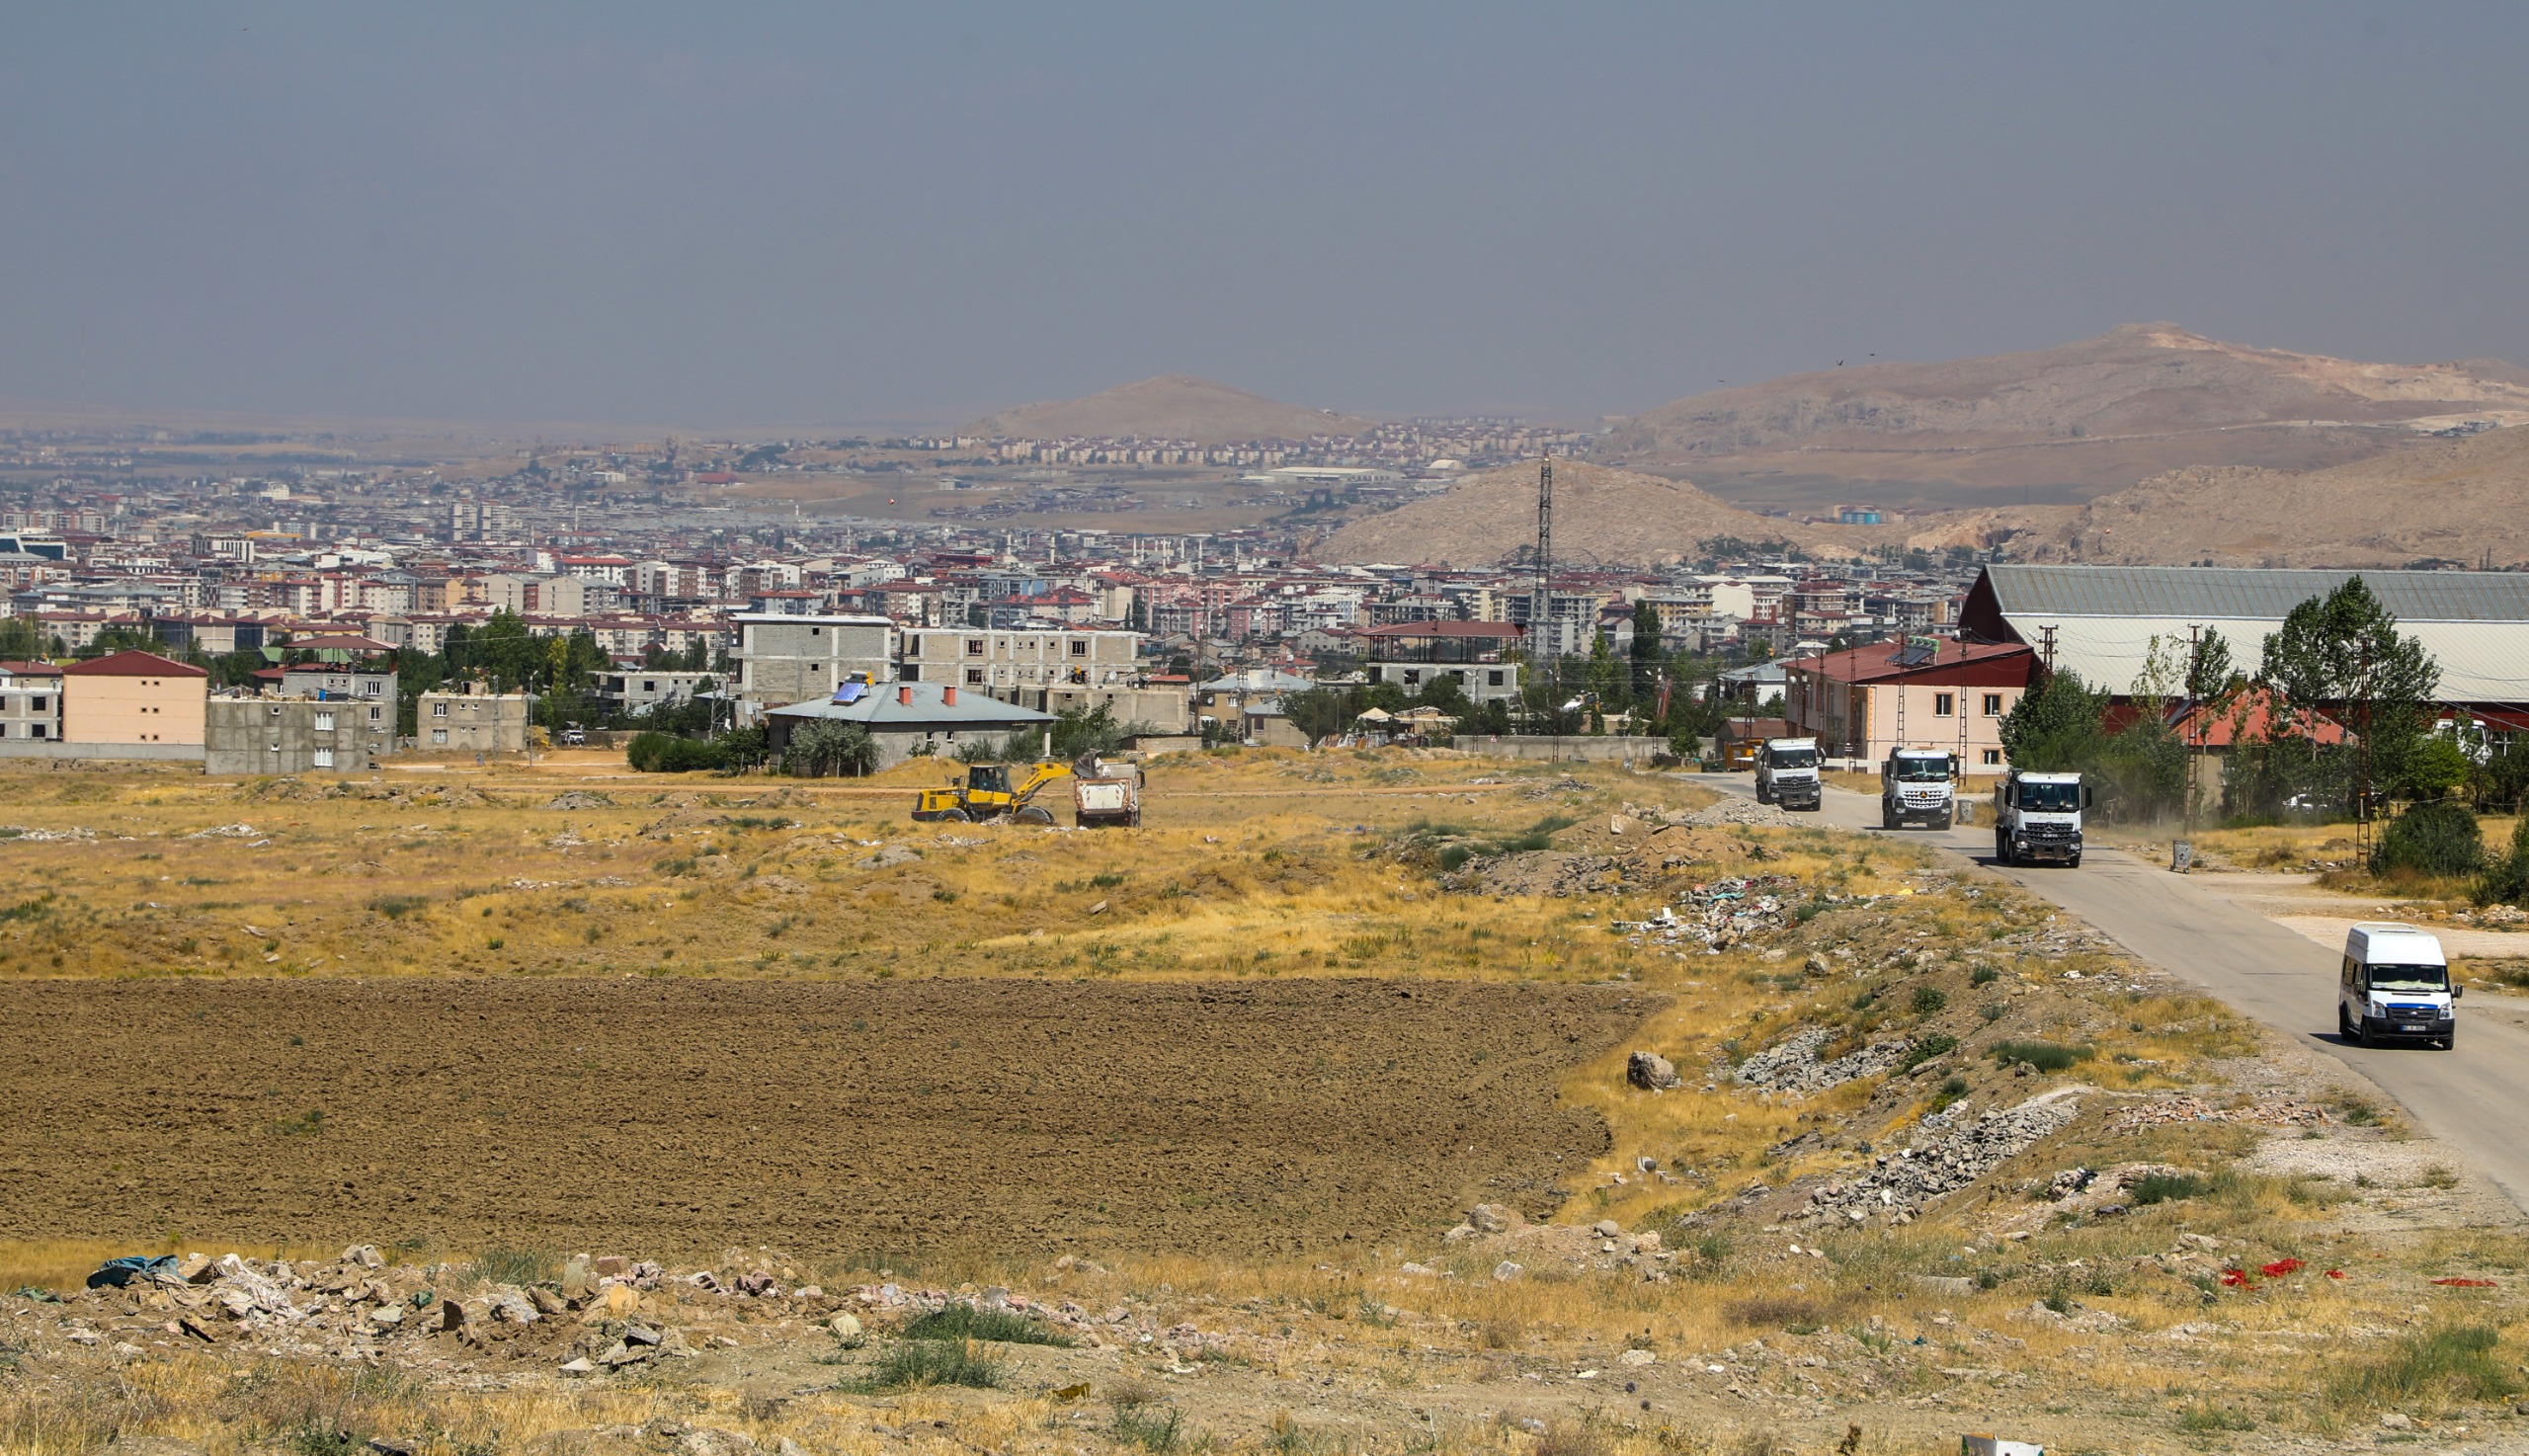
point(1899, 1184)
point(1792, 1066)
point(580, 799)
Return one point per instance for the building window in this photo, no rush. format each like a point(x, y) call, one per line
point(38, 704)
point(324, 758)
point(324, 722)
point(1492, 679)
point(439, 711)
point(1079, 647)
point(1992, 704)
point(1993, 756)
point(376, 713)
point(40, 730)
point(975, 676)
point(1944, 704)
point(438, 734)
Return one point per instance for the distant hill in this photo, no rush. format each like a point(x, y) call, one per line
point(1601, 516)
point(1169, 407)
point(2057, 424)
point(2448, 500)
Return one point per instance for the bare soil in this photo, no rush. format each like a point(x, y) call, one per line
point(1015, 1117)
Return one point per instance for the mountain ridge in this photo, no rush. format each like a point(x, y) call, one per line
point(1167, 407)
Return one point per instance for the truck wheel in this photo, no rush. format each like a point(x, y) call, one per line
point(1034, 814)
point(2002, 848)
point(1946, 820)
point(2449, 1043)
point(2074, 862)
point(1760, 794)
point(2344, 1025)
point(2362, 1034)
point(957, 816)
point(1886, 819)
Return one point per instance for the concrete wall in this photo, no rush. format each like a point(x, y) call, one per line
point(287, 735)
point(1577, 747)
point(788, 660)
point(1163, 708)
point(136, 753)
point(472, 722)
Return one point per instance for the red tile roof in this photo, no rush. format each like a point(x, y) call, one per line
point(133, 663)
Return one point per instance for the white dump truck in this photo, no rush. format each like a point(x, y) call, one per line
point(2395, 985)
point(2037, 818)
point(1918, 785)
point(1108, 795)
point(1787, 773)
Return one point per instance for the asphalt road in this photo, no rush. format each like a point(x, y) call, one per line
point(2474, 1098)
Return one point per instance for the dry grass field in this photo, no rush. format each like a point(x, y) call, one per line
point(1206, 1099)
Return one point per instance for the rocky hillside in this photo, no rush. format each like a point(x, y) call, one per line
point(1167, 407)
point(1600, 514)
point(2059, 424)
point(2451, 500)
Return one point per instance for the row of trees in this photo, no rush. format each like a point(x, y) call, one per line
point(2343, 704)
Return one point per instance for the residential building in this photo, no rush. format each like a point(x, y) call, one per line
point(1001, 663)
point(639, 691)
point(30, 701)
point(792, 659)
point(1923, 692)
point(133, 697)
point(1413, 654)
point(911, 719)
point(287, 735)
point(472, 719)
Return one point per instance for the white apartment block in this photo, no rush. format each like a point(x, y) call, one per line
point(1003, 663)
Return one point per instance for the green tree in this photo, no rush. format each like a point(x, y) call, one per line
point(2342, 653)
point(1322, 711)
point(821, 746)
point(2436, 768)
point(21, 638)
point(2210, 674)
point(1646, 651)
point(2056, 727)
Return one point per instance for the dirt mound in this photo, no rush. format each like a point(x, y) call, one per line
point(2452, 500)
point(687, 1116)
point(2083, 418)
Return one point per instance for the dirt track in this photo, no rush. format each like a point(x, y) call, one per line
point(856, 1119)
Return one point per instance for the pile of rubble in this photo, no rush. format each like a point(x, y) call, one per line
point(1527, 1249)
point(1718, 915)
point(1897, 1184)
point(1792, 1065)
point(1734, 810)
point(2182, 1107)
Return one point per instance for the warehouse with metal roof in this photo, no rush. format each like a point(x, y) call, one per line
point(2100, 619)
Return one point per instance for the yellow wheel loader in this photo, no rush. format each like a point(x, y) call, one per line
point(987, 796)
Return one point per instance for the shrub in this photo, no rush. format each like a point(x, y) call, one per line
point(2435, 839)
point(914, 1363)
point(1983, 976)
point(520, 1267)
point(1153, 1428)
point(2167, 1187)
point(1929, 1001)
point(2506, 880)
point(1929, 1048)
point(965, 1321)
point(2044, 1056)
point(665, 753)
point(2448, 1363)
point(397, 907)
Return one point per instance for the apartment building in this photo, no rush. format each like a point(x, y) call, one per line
point(30, 701)
point(287, 735)
point(133, 697)
point(792, 659)
point(472, 719)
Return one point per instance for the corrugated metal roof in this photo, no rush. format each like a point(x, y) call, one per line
point(884, 708)
point(2203, 593)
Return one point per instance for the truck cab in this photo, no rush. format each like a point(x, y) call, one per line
point(1787, 773)
point(2394, 986)
point(1918, 785)
point(2037, 818)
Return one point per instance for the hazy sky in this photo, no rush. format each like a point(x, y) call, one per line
point(715, 214)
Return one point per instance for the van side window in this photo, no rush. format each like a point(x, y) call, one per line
point(2350, 973)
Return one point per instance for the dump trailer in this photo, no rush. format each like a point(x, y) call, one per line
point(1105, 795)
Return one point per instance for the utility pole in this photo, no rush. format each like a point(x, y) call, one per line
point(1541, 599)
point(2362, 764)
point(2194, 717)
point(2047, 634)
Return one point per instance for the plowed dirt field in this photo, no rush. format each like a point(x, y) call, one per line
point(844, 1119)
